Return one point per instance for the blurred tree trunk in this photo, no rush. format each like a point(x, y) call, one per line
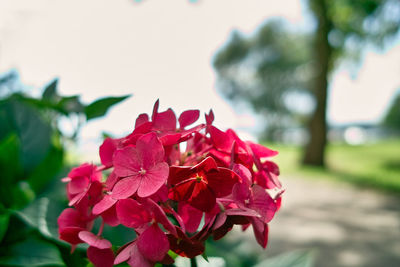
point(314, 152)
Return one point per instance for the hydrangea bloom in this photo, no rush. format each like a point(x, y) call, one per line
point(162, 181)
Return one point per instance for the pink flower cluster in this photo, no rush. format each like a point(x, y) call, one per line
point(162, 182)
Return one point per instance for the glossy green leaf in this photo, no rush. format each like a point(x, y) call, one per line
point(35, 215)
point(100, 107)
point(290, 259)
point(32, 252)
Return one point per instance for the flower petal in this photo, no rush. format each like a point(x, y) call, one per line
point(94, 240)
point(188, 117)
point(126, 187)
point(132, 214)
point(101, 257)
point(153, 243)
point(153, 179)
point(106, 203)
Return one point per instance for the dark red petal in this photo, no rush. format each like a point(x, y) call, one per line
point(183, 191)
point(126, 187)
point(107, 150)
point(178, 174)
point(206, 165)
point(188, 117)
point(153, 243)
point(132, 214)
point(101, 257)
point(222, 181)
point(106, 203)
point(202, 197)
point(154, 178)
point(94, 240)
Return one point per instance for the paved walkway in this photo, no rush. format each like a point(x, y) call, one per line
point(344, 225)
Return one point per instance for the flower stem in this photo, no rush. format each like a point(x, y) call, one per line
point(193, 262)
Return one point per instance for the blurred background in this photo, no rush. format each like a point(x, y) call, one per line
point(317, 80)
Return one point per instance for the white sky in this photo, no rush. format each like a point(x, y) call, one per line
point(162, 49)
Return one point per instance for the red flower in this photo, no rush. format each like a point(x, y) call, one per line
point(201, 184)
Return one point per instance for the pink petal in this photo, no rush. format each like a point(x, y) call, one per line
point(191, 217)
point(78, 184)
point(70, 217)
point(110, 216)
point(244, 173)
point(160, 216)
point(153, 179)
point(125, 253)
point(261, 151)
point(107, 150)
point(210, 117)
point(220, 220)
point(220, 139)
point(132, 214)
point(142, 118)
point(84, 169)
point(150, 150)
point(94, 240)
point(127, 162)
point(137, 259)
point(260, 232)
point(106, 203)
point(153, 243)
point(165, 121)
point(126, 187)
point(263, 203)
point(111, 181)
point(188, 117)
point(101, 257)
point(70, 235)
point(242, 212)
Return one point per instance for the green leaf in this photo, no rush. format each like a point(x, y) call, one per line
point(99, 107)
point(47, 169)
point(32, 252)
point(33, 133)
point(291, 259)
point(50, 92)
point(35, 215)
point(10, 167)
point(4, 220)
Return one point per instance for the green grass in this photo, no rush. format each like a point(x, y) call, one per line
point(374, 165)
